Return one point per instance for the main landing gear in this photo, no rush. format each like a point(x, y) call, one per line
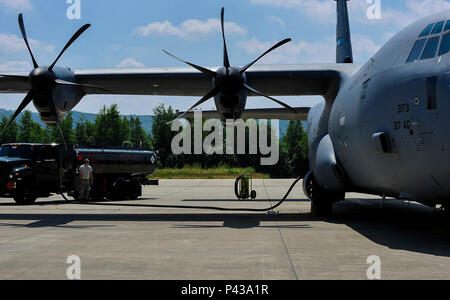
point(322, 200)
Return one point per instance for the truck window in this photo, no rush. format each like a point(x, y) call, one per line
point(17, 152)
point(49, 154)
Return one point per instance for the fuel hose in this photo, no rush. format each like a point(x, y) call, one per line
point(204, 207)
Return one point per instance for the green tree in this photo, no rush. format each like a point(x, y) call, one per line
point(54, 136)
point(162, 134)
point(295, 146)
point(81, 135)
point(110, 128)
point(84, 133)
point(30, 131)
point(138, 136)
point(10, 135)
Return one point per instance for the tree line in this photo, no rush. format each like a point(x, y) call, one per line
point(109, 129)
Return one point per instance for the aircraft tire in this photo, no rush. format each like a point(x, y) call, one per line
point(321, 200)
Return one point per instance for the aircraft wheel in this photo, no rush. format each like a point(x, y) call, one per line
point(321, 200)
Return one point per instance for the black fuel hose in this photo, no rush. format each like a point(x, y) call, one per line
point(205, 207)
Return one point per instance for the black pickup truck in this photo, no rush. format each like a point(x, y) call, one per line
point(31, 171)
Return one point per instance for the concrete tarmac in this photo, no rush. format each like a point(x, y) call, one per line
point(118, 240)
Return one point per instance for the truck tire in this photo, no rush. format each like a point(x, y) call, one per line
point(25, 194)
point(118, 189)
point(135, 189)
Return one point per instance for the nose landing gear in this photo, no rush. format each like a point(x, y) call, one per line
point(322, 200)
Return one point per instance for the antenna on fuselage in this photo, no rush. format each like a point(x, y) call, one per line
point(344, 52)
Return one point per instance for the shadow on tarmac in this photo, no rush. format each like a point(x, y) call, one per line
point(396, 225)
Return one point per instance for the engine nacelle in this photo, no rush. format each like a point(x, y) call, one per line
point(64, 97)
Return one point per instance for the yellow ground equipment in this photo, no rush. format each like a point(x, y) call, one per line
point(243, 188)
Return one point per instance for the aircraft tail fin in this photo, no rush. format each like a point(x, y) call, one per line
point(344, 52)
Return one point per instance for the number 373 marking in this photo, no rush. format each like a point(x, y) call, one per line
point(403, 108)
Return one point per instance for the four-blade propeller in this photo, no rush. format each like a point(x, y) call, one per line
point(229, 81)
point(43, 80)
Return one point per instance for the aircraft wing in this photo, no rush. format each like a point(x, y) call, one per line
point(259, 114)
point(14, 85)
point(291, 80)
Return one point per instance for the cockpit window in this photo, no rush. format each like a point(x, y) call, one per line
point(447, 26)
point(416, 51)
point(430, 48)
point(445, 44)
point(431, 44)
point(427, 30)
point(438, 27)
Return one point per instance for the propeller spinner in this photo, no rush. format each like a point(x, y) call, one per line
point(229, 80)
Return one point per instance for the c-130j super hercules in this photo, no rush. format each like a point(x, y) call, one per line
point(384, 127)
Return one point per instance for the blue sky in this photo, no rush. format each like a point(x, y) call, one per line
point(132, 33)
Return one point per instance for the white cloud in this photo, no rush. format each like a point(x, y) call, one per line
point(323, 51)
point(12, 43)
point(188, 29)
point(324, 11)
point(321, 11)
point(415, 10)
point(15, 66)
point(291, 53)
point(363, 46)
point(15, 5)
point(130, 63)
point(277, 20)
point(424, 8)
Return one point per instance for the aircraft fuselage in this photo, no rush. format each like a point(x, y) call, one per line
point(390, 124)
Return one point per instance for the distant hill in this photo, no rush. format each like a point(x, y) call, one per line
point(147, 120)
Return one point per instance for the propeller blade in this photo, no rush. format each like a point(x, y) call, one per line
point(27, 100)
point(265, 53)
point(87, 88)
point(201, 69)
point(250, 89)
point(52, 106)
point(226, 61)
point(24, 35)
point(73, 39)
point(208, 96)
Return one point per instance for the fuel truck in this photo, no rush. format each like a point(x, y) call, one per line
point(32, 171)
